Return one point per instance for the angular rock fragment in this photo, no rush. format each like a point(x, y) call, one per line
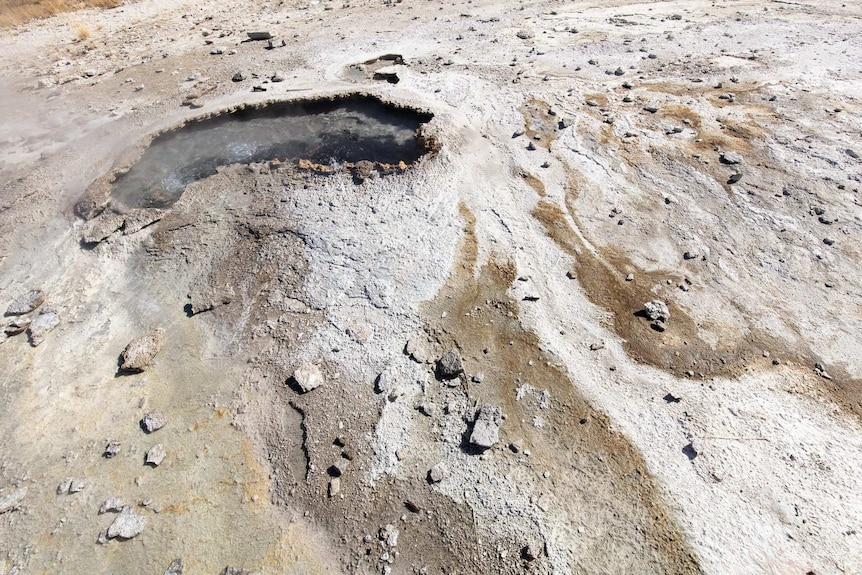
point(438, 473)
point(25, 303)
point(730, 158)
point(128, 524)
point(154, 421)
point(259, 35)
point(17, 325)
point(141, 351)
point(175, 568)
point(656, 310)
point(450, 365)
point(40, 327)
point(111, 450)
point(71, 485)
point(112, 505)
point(210, 298)
point(334, 486)
point(155, 455)
point(307, 377)
point(486, 427)
point(12, 500)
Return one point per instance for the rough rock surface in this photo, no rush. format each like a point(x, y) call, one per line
point(486, 426)
point(154, 421)
point(141, 351)
point(41, 326)
point(27, 302)
point(450, 366)
point(307, 377)
point(126, 525)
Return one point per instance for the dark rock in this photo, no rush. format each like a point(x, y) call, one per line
point(450, 365)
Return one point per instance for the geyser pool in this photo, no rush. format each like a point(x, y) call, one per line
point(343, 129)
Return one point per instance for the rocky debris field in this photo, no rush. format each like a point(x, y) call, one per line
point(609, 321)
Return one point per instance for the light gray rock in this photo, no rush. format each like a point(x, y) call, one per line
point(278, 77)
point(524, 34)
point(128, 524)
point(416, 350)
point(40, 327)
point(210, 298)
point(334, 486)
point(154, 421)
point(389, 535)
point(730, 158)
point(155, 455)
point(12, 499)
point(308, 377)
point(237, 571)
point(438, 473)
point(175, 568)
point(112, 505)
point(112, 449)
point(259, 35)
point(450, 365)
point(239, 76)
point(657, 310)
point(486, 427)
point(25, 303)
point(141, 351)
point(71, 485)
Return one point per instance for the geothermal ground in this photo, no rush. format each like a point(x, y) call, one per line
point(599, 311)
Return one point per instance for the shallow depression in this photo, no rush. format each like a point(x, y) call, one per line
point(345, 129)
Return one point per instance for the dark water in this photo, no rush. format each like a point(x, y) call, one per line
point(347, 129)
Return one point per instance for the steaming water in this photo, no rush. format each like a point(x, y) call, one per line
point(343, 130)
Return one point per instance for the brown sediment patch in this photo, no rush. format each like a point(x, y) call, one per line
point(539, 125)
point(680, 112)
point(679, 349)
point(610, 493)
point(534, 182)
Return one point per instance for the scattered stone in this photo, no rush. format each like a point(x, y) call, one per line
point(339, 468)
point(389, 535)
point(12, 500)
point(128, 524)
point(307, 376)
point(111, 450)
point(40, 327)
point(591, 103)
point(525, 34)
point(630, 277)
point(17, 325)
point(618, 72)
point(657, 310)
point(334, 486)
point(450, 366)
point(651, 109)
point(71, 485)
point(258, 35)
point(428, 408)
point(217, 51)
point(828, 241)
point(486, 427)
point(25, 303)
point(852, 153)
point(238, 571)
point(597, 346)
point(478, 377)
point(154, 421)
point(416, 351)
point(821, 371)
point(112, 505)
point(438, 473)
point(689, 256)
point(730, 158)
point(735, 177)
point(155, 455)
point(175, 568)
point(239, 76)
point(278, 77)
point(531, 551)
point(141, 351)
